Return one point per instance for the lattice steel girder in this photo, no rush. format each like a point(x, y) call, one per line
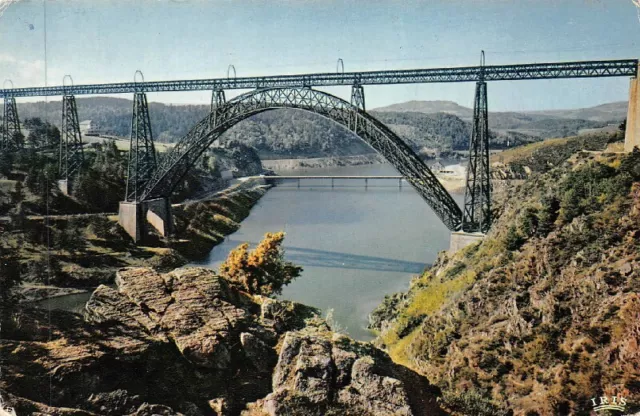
point(11, 135)
point(358, 103)
point(217, 99)
point(71, 151)
point(357, 97)
point(182, 157)
point(477, 198)
point(142, 152)
point(578, 69)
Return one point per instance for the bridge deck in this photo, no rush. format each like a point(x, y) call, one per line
point(330, 177)
point(578, 69)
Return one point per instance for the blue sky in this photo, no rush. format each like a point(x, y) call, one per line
point(106, 41)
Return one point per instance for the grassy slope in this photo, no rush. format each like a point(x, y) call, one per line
point(543, 314)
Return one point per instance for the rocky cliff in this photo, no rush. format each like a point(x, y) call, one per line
point(187, 343)
point(544, 314)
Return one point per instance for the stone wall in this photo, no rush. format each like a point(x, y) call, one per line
point(632, 135)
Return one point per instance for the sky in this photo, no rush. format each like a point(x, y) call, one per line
point(100, 41)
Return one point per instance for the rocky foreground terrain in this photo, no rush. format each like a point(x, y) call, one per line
point(187, 343)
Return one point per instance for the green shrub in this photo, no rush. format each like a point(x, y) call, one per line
point(513, 241)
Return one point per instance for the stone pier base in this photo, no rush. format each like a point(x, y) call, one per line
point(632, 134)
point(460, 239)
point(135, 217)
point(65, 186)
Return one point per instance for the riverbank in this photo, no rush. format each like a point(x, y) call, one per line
point(322, 162)
point(96, 247)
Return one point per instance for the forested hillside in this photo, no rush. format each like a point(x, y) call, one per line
point(428, 126)
point(443, 131)
point(541, 124)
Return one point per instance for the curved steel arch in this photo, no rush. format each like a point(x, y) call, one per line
point(179, 160)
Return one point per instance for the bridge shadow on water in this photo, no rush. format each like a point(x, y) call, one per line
point(322, 258)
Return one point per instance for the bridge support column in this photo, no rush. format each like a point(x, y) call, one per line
point(142, 152)
point(136, 217)
point(12, 137)
point(71, 151)
point(218, 100)
point(632, 133)
point(477, 198)
point(357, 100)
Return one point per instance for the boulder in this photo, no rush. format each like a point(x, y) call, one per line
point(321, 373)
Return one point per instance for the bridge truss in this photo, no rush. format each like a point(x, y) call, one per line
point(579, 69)
point(179, 160)
point(11, 135)
point(142, 152)
point(477, 196)
point(71, 149)
point(146, 180)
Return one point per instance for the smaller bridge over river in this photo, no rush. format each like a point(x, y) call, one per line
point(299, 178)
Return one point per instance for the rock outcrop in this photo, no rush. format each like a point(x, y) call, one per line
point(323, 373)
point(188, 343)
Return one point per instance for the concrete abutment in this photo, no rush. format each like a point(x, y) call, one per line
point(65, 186)
point(632, 134)
point(460, 240)
point(136, 217)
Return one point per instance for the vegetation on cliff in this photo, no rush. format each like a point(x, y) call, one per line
point(543, 314)
point(520, 162)
point(263, 270)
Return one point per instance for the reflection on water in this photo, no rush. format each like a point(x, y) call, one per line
point(355, 244)
point(324, 258)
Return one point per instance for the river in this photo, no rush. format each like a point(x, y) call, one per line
point(355, 244)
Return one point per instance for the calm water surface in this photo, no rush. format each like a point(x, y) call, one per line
point(355, 244)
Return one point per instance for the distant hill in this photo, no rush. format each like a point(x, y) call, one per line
point(428, 126)
point(543, 124)
point(603, 112)
point(429, 107)
point(443, 132)
point(113, 115)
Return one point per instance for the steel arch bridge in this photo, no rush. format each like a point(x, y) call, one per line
point(182, 157)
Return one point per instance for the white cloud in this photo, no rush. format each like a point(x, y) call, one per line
point(6, 3)
point(25, 73)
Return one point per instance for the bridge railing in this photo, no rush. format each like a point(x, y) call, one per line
point(576, 69)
